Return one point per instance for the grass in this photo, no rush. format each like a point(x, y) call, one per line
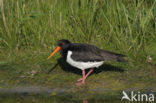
point(29, 30)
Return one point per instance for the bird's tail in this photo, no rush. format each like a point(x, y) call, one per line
point(111, 56)
point(120, 58)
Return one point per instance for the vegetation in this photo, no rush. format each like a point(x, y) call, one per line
point(29, 30)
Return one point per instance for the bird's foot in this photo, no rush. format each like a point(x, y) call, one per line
point(80, 79)
point(79, 83)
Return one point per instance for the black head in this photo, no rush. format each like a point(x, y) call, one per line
point(63, 43)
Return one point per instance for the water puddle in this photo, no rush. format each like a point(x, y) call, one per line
point(40, 94)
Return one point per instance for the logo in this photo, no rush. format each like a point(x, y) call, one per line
point(137, 96)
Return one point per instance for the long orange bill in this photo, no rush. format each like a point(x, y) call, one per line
point(56, 50)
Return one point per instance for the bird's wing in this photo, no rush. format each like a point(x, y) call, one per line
point(107, 55)
point(85, 53)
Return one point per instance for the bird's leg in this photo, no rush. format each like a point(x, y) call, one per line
point(83, 73)
point(84, 77)
point(81, 79)
point(90, 71)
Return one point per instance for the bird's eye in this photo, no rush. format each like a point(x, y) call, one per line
point(63, 43)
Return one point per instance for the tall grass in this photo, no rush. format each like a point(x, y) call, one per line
point(128, 26)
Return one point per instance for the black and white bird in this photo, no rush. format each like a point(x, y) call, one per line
point(84, 56)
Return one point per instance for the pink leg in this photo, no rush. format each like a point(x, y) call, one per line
point(83, 78)
point(83, 73)
point(80, 79)
point(90, 71)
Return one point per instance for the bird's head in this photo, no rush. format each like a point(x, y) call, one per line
point(61, 44)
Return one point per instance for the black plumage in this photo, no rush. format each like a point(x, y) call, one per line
point(86, 52)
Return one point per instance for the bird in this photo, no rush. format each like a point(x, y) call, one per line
point(84, 56)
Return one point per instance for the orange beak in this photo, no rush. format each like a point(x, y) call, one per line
point(56, 50)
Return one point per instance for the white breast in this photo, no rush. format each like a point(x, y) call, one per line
point(82, 65)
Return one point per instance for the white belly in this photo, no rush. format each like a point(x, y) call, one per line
point(82, 65)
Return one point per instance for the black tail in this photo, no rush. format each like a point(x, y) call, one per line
point(111, 56)
point(120, 58)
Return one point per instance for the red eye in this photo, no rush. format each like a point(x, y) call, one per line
point(63, 43)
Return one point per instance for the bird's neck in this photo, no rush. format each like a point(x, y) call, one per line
point(64, 53)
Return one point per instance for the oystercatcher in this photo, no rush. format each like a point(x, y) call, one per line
point(84, 56)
